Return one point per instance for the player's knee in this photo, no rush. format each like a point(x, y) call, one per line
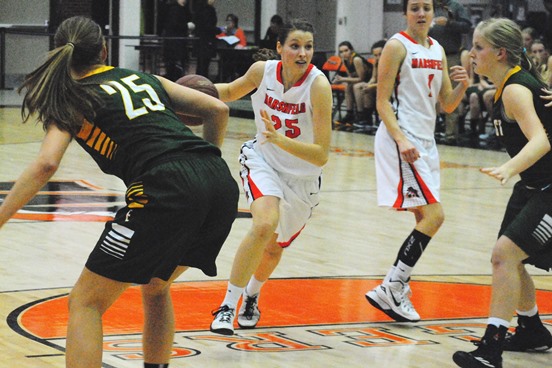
point(264, 229)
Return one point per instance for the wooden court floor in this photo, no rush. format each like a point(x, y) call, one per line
point(313, 309)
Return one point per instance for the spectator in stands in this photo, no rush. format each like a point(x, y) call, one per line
point(176, 16)
point(547, 33)
point(529, 34)
point(235, 64)
point(358, 70)
point(205, 20)
point(232, 29)
point(451, 23)
point(365, 95)
point(542, 59)
point(271, 36)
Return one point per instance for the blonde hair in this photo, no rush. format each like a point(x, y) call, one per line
point(503, 33)
point(51, 91)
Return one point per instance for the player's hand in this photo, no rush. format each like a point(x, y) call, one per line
point(547, 96)
point(270, 134)
point(459, 74)
point(498, 173)
point(409, 153)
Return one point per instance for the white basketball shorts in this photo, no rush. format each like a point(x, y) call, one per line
point(298, 194)
point(401, 185)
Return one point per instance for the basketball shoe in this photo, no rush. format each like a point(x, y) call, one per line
point(528, 336)
point(249, 313)
point(224, 320)
point(489, 352)
point(393, 299)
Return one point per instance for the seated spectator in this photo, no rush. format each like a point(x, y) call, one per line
point(365, 95)
point(234, 65)
point(476, 105)
point(480, 97)
point(358, 70)
point(232, 29)
point(271, 36)
point(530, 35)
point(542, 59)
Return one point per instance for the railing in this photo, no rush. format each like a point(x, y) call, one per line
point(149, 46)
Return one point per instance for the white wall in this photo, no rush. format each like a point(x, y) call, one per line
point(23, 52)
point(129, 25)
point(268, 9)
point(360, 22)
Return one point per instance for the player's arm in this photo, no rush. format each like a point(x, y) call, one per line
point(37, 173)
point(212, 111)
point(450, 98)
point(316, 153)
point(518, 105)
point(243, 85)
point(392, 57)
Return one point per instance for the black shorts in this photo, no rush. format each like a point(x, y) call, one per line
point(528, 223)
point(178, 213)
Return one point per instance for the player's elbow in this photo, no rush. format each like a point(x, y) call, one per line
point(222, 109)
point(45, 167)
point(322, 159)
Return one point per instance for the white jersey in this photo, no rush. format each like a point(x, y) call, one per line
point(291, 113)
point(418, 85)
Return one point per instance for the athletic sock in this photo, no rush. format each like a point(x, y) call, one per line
point(389, 275)
point(412, 248)
point(368, 115)
point(497, 322)
point(530, 313)
point(150, 365)
point(402, 272)
point(493, 340)
point(529, 319)
point(233, 294)
point(254, 286)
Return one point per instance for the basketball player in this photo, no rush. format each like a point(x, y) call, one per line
point(281, 167)
point(413, 73)
point(524, 125)
point(181, 198)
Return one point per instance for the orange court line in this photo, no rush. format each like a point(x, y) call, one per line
point(283, 302)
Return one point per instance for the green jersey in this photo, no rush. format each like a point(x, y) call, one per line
point(509, 132)
point(136, 127)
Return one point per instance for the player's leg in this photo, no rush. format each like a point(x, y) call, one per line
point(91, 296)
point(265, 214)
point(158, 334)
point(505, 297)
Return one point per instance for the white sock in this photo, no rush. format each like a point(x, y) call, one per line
point(233, 294)
point(402, 272)
point(530, 313)
point(388, 276)
point(254, 286)
point(498, 322)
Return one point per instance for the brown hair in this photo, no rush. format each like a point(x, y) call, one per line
point(294, 25)
point(51, 91)
point(405, 6)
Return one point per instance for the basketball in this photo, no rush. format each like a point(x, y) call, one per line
point(201, 84)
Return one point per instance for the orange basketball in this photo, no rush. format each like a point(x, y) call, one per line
point(199, 83)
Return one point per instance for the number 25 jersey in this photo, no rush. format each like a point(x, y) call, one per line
point(291, 115)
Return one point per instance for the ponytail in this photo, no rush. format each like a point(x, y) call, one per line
point(527, 63)
point(51, 91)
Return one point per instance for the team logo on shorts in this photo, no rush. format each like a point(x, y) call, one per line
point(412, 193)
